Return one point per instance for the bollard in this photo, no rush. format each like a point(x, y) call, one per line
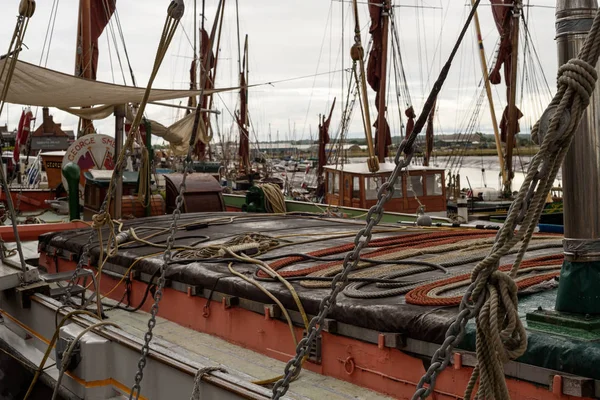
point(71, 172)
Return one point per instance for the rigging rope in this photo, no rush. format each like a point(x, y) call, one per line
point(26, 11)
point(491, 297)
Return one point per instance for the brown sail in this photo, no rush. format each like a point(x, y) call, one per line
point(92, 22)
point(376, 74)
point(502, 11)
point(324, 139)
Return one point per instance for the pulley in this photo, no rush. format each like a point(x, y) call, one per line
point(27, 8)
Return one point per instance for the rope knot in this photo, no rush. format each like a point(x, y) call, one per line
point(176, 9)
point(580, 76)
point(99, 220)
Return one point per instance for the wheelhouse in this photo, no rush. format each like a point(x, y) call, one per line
point(355, 186)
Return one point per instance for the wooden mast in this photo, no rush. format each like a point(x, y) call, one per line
point(513, 118)
point(488, 90)
point(381, 106)
point(83, 55)
point(357, 52)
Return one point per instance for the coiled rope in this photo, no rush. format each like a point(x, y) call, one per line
point(274, 200)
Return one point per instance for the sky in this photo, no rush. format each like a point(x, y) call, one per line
point(291, 39)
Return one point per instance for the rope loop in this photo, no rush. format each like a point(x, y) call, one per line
point(580, 76)
point(198, 379)
point(176, 9)
point(27, 8)
point(500, 335)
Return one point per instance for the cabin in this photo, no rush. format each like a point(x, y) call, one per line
point(355, 186)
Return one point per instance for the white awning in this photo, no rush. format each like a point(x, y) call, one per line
point(36, 86)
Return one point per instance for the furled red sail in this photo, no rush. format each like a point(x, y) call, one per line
point(429, 136)
point(324, 139)
point(410, 125)
point(242, 118)
point(22, 132)
point(208, 61)
point(100, 13)
point(503, 16)
point(374, 68)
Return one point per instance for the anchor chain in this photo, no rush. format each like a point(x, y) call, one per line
point(167, 255)
point(363, 237)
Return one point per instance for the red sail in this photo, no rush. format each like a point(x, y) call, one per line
point(410, 125)
point(503, 16)
point(324, 139)
point(242, 117)
point(208, 62)
point(374, 69)
point(429, 136)
point(22, 133)
point(100, 13)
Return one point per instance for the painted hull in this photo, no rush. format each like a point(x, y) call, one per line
point(234, 202)
point(31, 199)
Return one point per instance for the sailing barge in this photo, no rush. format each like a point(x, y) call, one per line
point(254, 280)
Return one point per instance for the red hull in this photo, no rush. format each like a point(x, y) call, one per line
point(374, 366)
point(30, 199)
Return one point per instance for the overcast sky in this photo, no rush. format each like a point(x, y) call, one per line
point(290, 39)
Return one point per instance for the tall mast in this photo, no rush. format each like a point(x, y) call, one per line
point(512, 100)
point(357, 52)
point(83, 55)
point(488, 90)
point(381, 106)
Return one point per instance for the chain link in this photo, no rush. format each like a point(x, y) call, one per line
point(363, 237)
point(167, 255)
point(385, 193)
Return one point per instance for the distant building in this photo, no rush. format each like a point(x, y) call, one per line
point(8, 138)
point(49, 135)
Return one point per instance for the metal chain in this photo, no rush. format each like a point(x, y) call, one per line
point(374, 216)
point(85, 254)
point(167, 255)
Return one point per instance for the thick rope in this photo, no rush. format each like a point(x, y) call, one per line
point(198, 379)
point(500, 333)
point(274, 200)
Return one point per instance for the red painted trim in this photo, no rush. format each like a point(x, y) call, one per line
point(386, 370)
point(33, 231)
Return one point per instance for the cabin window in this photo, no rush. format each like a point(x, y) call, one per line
point(434, 185)
point(371, 187)
point(417, 185)
point(356, 187)
point(398, 188)
point(330, 183)
point(336, 183)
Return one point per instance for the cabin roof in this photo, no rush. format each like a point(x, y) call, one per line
point(363, 169)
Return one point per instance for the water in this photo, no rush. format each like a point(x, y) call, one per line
point(15, 380)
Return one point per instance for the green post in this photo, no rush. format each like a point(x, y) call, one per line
point(71, 172)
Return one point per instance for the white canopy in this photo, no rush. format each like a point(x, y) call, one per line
point(37, 86)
